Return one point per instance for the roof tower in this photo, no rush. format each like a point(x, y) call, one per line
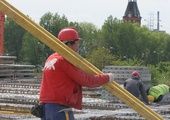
point(132, 13)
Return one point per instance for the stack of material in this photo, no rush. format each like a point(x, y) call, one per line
point(10, 70)
point(121, 74)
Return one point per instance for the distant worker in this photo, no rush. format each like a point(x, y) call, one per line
point(135, 86)
point(156, 93)
point(61, 86)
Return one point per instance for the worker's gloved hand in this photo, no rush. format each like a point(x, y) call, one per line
point(149, 103)
point(111, 77)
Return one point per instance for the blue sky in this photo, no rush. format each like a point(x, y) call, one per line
point(96, 11)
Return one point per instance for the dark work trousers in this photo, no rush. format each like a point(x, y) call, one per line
point(52, 112)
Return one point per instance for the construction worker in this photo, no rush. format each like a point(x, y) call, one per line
point(156, 93)
point(61, 86)
point(135, 86)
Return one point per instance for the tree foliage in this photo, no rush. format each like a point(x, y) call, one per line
point(116, 43)
point(31, 50)
point(89, 37)
point(13, 36)
point(100, 57)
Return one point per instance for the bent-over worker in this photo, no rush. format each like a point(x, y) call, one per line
point(156, 93)
point(135, 86)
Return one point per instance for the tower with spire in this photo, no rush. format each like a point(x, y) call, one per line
point(132, 13)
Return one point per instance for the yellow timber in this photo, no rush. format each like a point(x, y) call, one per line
point(52, 42)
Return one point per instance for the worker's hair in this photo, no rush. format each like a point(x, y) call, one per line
point(71, 42)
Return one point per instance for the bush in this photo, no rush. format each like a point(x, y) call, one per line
point(160, 73)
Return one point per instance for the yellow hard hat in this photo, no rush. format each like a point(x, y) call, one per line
point(150, 98)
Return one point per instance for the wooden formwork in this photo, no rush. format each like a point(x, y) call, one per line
point(10, 70)
point(123, 72)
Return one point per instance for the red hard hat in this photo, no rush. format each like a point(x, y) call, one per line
point(135, 73)
point(68, 34)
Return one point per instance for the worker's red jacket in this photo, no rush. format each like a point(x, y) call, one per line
point(62, 82)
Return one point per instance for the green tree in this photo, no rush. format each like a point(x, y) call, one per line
point(31, 51)
point(53, 22)
point(131, 40)
point(100, 57)
point(163, 50)
point(160, 73)
point(109, 33)
point(89, 35)
point(13, 38)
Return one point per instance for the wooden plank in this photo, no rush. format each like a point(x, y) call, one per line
point(75, 59)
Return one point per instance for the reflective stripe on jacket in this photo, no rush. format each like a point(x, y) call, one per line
point(158, 90)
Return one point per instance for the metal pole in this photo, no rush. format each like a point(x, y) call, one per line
point(158, 21)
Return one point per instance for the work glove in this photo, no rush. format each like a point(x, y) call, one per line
point(149, 103)
point(111, 77)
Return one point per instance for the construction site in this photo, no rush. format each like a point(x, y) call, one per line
point(19, 86)
point(19, 91)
